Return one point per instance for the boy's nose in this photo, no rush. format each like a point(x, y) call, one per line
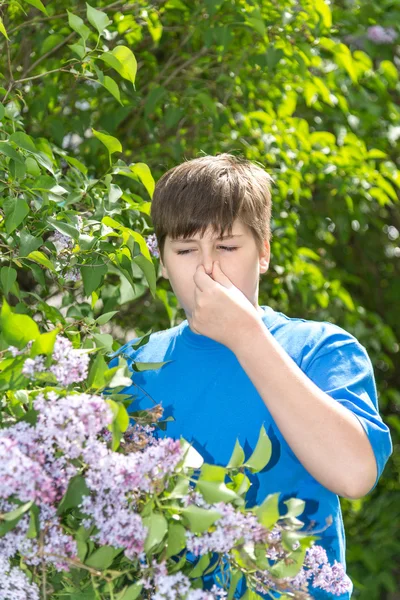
point(207, 262)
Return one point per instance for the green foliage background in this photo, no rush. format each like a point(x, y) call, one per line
point(94, 108)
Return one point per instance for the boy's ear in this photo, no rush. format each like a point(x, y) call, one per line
point(264, 257)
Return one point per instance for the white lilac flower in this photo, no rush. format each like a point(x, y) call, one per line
point(15, 584)
point(381, 35)
point(152, 245)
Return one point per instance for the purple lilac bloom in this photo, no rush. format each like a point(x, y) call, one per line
point(20, 475)
point(175, 586)
point(152, 245)
point(15, 584)
point(72, 365)
point(381, 35)
point(230, 528)
point(56, 542)
point(62, 242)
point(68, 422)
point(73, 274)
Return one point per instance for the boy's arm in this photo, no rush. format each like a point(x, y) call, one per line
point(326, 437)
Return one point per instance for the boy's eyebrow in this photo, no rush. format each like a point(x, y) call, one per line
point(225, 237)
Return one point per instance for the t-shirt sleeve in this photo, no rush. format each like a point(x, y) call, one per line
point(343, 369)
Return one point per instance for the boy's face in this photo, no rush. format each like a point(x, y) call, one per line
point(239, 258)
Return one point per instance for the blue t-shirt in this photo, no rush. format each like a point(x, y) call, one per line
point(214, 402)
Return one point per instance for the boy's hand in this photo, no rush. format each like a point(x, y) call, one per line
point(222, 312)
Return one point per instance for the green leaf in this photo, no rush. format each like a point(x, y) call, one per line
point(212, 491)
point(97, 18)
point(236, 576)
point(148, 269)
point(103, 557)
point(34, 523)
point(17, 512)
point(96, 374)
point(176, 539)
point(112, 87)
point(76, 490)
point(123, 61)
point(8, 150)
point(324, 10)
point(110, 142)
point(22, 140)
point(44, 344)
point(8, 277)
point(37, 4)
point(17, 329)
point(103, 319)
point(92, 275)
point(76, 163)
point(79, 49)
point(77, 24)
point(16, 209)
point(42, 259)
point(201, 566)
point(200, 519)
point(158, 527)
point(237, 458)
point(268, 512)
point(153, 98)
point(295, 507)
point(2, 112)
point(130, 593)
point(29, 243)
point(64, 228)
point(262, 453)
point(4, 32)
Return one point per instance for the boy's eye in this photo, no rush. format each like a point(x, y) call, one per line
point(228, 248)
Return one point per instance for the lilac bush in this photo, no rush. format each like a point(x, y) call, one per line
point(85, 487)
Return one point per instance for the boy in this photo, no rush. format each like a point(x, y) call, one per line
point(236, 365)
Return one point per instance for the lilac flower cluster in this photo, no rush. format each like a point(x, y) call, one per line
point(113, 514)
point(175, 586)
point(35, 465)
point(64, 245)
point(152, 245)
point(381, 35)
point(15, 584)
point(316, 570)
point(71, 366)
point(233, 526)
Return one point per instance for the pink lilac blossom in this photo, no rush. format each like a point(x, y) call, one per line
point(381, 35)
point(14, 584)
point(152, 245)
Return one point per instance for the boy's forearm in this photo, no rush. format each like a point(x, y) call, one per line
point(325, 436)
